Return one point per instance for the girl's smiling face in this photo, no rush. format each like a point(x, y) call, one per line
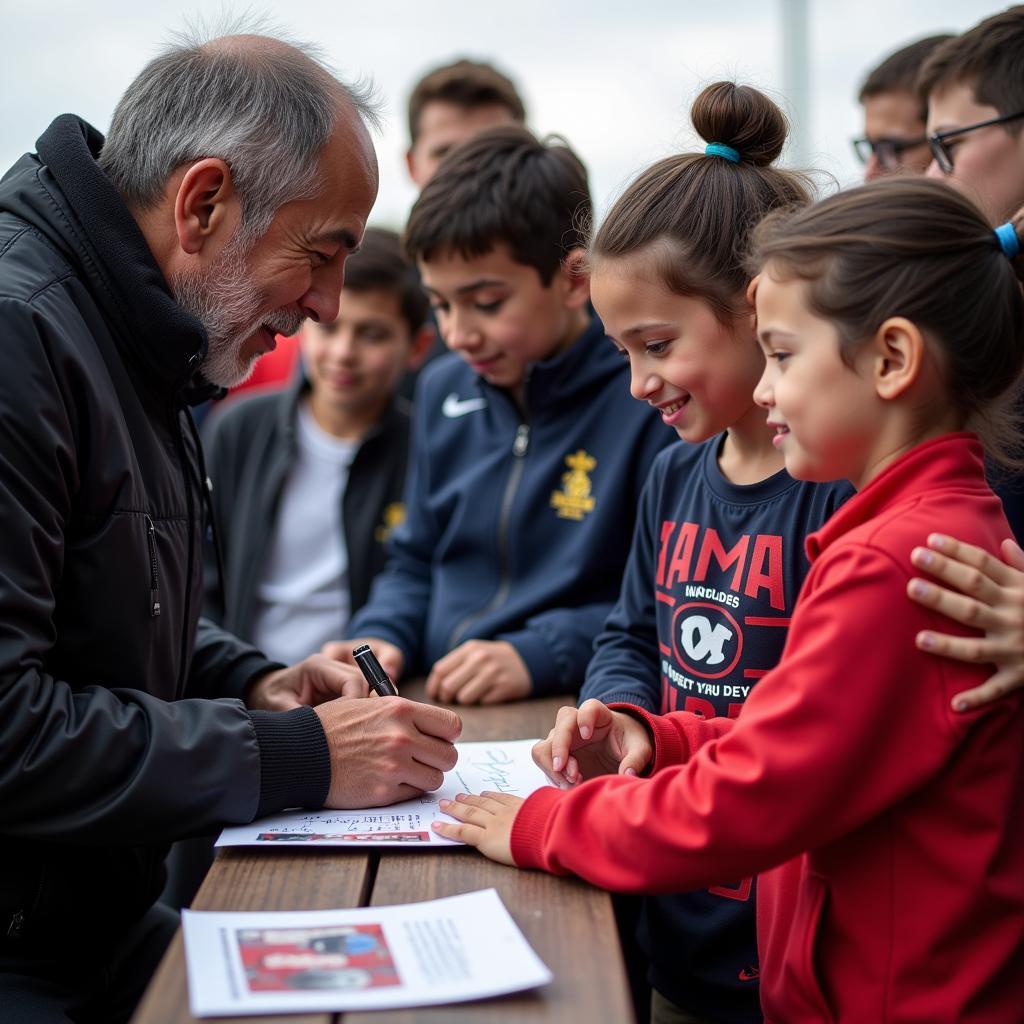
point(826, 414)
point(696, 371)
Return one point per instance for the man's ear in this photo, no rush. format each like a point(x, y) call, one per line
point(205, 205)
point(575, 279)
point(422, 342)
point(897, 352)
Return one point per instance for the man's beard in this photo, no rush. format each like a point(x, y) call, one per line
point(227, 302)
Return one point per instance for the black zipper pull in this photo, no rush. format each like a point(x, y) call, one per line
point(522, 441)
point(154, 576)
point(16, 925)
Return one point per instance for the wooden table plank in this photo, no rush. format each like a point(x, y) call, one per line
point(568, 922)
point(242, 879)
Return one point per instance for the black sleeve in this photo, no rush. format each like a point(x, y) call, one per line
point(98, 764)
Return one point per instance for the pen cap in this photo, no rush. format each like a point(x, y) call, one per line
point(372, 670)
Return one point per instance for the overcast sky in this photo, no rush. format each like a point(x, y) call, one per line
point(615, 78)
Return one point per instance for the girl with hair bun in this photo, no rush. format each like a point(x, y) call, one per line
point(717, 558)
point(886, 829)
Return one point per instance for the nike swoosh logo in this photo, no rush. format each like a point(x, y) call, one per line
point(454, 407)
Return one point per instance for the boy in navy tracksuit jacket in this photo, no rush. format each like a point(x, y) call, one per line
point(528, 453)
point(703, 613)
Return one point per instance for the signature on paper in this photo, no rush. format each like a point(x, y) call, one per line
point(496, 768)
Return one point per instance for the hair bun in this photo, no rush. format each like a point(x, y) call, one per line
point(742, 117)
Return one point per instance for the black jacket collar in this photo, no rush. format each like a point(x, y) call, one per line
point(154, 332)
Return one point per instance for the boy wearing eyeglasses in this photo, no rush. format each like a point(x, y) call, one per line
point(974, 86)
point(895, 113)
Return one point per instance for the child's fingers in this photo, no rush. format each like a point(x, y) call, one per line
point(563, 736)
point(497, 801)
point(543, 760)
point(634, 761)
point(476, 689)
point(467, 807)
point(454, 681)
point(1013, 553)
point(959, 564)
point(1002, 683)
point(471, 835)
point(974, 649)
point(969, 580)
point(960, 607)
point(592, 715)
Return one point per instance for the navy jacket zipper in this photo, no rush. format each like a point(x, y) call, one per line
point(520, 446)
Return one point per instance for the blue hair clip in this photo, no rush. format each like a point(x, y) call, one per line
point(722, 150)
point(1008, 240)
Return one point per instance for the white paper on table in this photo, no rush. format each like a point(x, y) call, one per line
point(503, 766)
point(441, 951)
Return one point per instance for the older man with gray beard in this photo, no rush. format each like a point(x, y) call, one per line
point(136, 274)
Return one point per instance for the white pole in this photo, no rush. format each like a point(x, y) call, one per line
point(796, 79)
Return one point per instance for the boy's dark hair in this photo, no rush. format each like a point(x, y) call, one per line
point(989, 58)
point(467, 84)
point(900, 71)
point(917, 249)
point(381, 264)
point(503, 187)
point(694, 213)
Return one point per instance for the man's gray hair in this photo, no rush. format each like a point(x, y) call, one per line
point(264, 106)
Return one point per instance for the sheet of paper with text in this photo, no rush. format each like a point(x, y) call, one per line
point(316, 961)
point(502, 766)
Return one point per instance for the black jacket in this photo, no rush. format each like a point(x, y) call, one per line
point(249, 449)
point(103, 757)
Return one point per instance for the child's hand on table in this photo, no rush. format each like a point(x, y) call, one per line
point(485, 821)
point(479, 672)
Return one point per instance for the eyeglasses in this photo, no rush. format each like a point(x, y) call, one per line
point(940, 148)
point(888, 152)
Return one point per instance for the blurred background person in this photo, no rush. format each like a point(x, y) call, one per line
point(307, 482)
point(451, 104)
point(895, 113)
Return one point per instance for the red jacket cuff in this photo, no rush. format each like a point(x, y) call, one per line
point(530, 827)
point(668, 745)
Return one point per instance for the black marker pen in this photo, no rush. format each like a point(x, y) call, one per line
point(379, 680)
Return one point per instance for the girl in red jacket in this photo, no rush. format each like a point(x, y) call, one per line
point(887, 829)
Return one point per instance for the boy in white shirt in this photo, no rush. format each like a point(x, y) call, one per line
point(307, 482)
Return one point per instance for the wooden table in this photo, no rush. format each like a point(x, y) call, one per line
point(568, 922)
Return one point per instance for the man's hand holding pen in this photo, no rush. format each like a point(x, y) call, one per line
point(383, 751)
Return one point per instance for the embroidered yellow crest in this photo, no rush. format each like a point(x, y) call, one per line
point(394, 516)
point(574, 500)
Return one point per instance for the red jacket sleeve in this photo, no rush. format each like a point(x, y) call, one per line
point(677, 735)
point(851, 721)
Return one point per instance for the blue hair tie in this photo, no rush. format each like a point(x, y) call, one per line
point(1008, 240)
point(722, 150)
